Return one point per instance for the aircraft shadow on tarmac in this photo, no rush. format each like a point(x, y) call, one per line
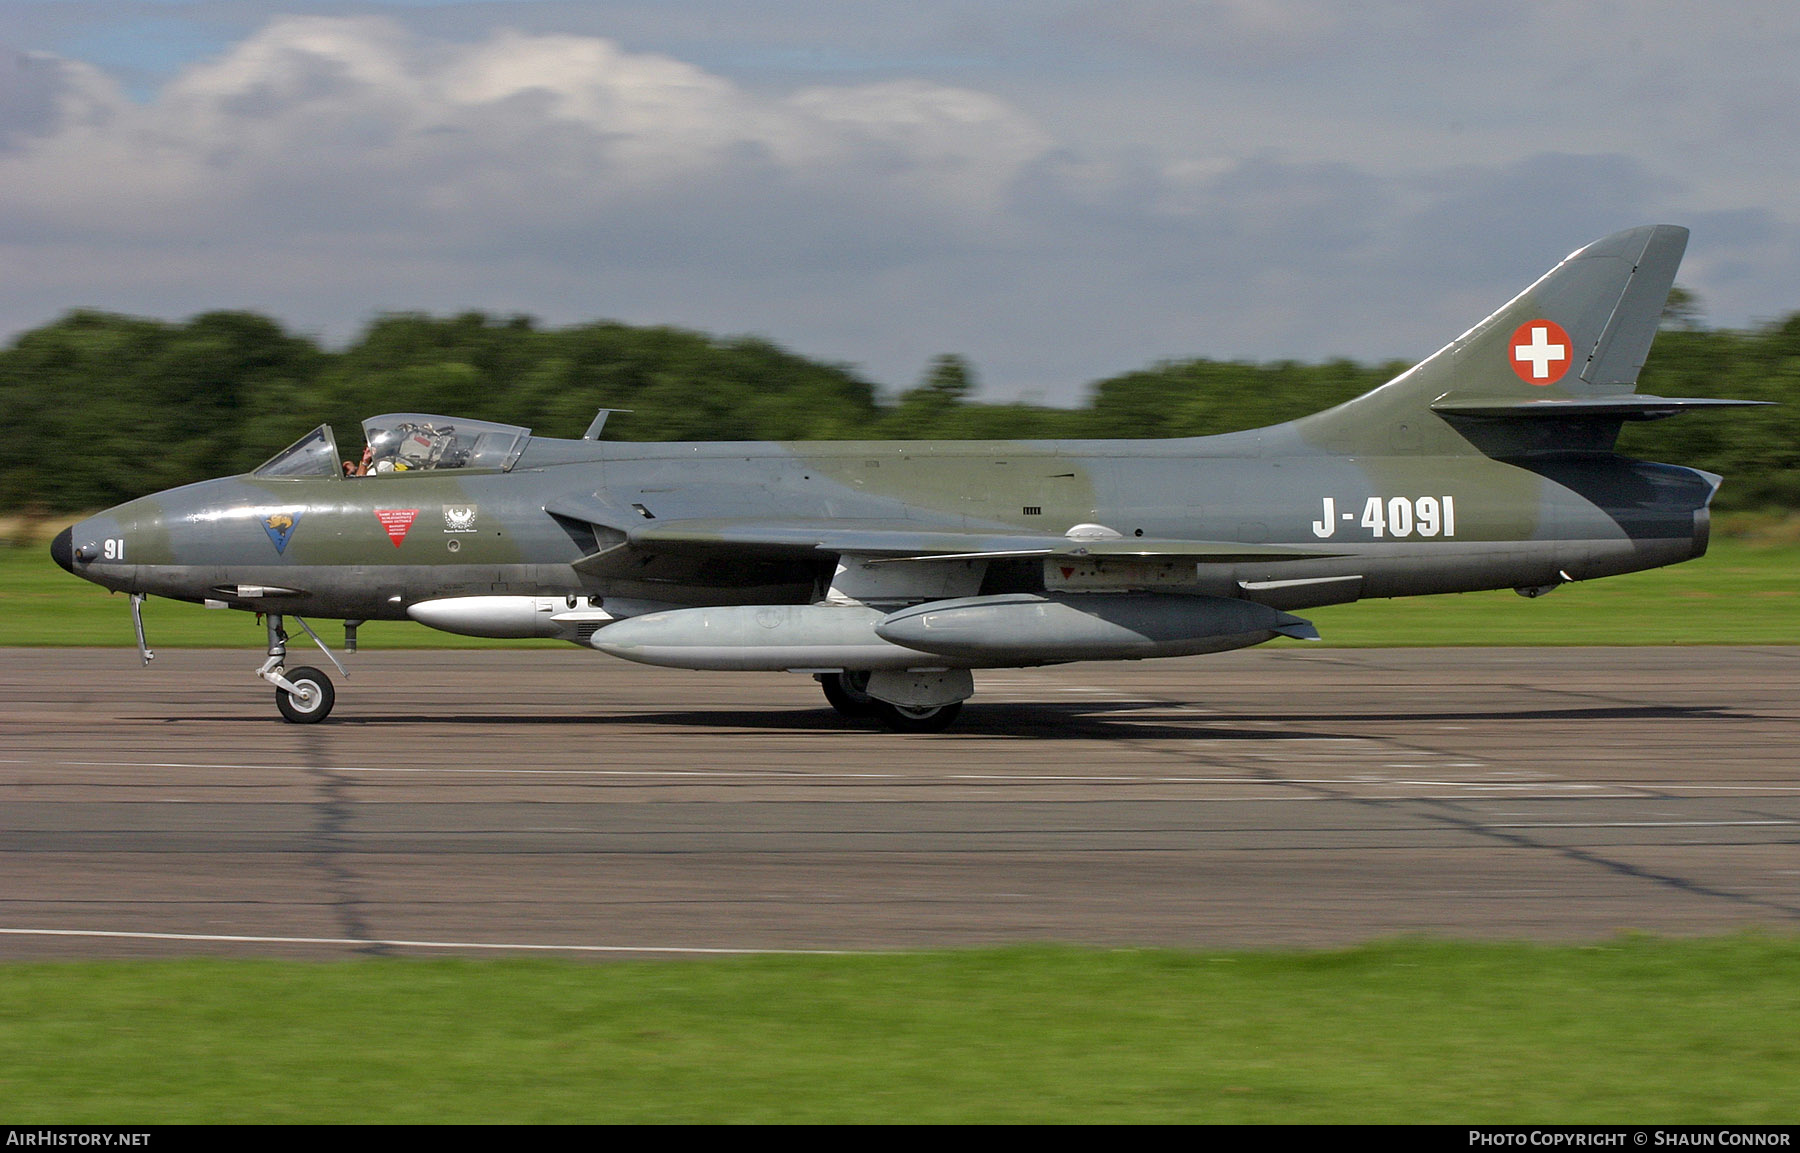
point(1135, 720)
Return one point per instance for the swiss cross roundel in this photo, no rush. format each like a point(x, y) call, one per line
point(1540, 351)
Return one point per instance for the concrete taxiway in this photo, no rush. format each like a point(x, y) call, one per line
point(496, 803)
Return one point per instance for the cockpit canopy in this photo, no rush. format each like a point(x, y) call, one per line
point(404, 442)
point(314, 454)
point(411, 441)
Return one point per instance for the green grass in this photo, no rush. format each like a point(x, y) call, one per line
point(41, 605)
point(1742, 592)
point(1638, 1030)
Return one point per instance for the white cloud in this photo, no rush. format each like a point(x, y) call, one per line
point(386, 127)
point(1214, 196)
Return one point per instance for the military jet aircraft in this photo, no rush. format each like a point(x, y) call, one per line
point(890, 570)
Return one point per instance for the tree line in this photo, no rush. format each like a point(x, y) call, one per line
point(96, 408)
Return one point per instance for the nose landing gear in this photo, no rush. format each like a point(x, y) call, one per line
point(304, 695)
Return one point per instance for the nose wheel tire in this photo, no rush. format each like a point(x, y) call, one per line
point(906, 719)
point(847, 693)
point(313, 703)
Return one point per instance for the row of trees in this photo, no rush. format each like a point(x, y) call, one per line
point(96, 408)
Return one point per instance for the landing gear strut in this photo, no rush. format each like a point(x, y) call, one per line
point(304, 695)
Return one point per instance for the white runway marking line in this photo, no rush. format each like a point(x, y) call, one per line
point(230, 939)
point(1634, 824)
point(796, 775)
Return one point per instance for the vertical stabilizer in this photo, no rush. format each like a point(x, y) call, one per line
point(1583, 330)
point(1580, 333)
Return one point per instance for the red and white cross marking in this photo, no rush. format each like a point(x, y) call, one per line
point(1540, 351)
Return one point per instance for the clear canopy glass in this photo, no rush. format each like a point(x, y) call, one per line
point(314, 454)
point(417, 441)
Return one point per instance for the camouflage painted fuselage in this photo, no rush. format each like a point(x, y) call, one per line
point(890, 569)
point(1397, 525)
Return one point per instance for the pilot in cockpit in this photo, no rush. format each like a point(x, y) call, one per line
point(411, 448)
point(362, 469)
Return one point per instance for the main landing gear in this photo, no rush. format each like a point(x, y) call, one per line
point(848, 693)
point(304, 695)
point(925, 719)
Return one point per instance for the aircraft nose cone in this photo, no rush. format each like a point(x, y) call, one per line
point(62, 549)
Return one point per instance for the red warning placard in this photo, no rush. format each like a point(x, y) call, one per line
point(396, 521)
point(1540, 351)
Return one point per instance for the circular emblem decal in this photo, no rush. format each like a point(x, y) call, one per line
point(1540, 351)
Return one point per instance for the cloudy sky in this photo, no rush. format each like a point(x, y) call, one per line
point(1058, 190)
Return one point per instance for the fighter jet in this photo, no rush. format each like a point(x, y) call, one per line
point(891, 570)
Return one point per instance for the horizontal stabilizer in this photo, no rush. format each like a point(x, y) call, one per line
point(1630, 406)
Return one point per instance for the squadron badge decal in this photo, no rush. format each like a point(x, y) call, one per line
point(280, 527)
point(459, 518)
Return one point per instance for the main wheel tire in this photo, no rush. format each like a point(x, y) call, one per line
point(906, 719)
point(315, 705)
point(848, 693)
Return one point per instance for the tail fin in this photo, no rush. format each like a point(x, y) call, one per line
point(1569, 347)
